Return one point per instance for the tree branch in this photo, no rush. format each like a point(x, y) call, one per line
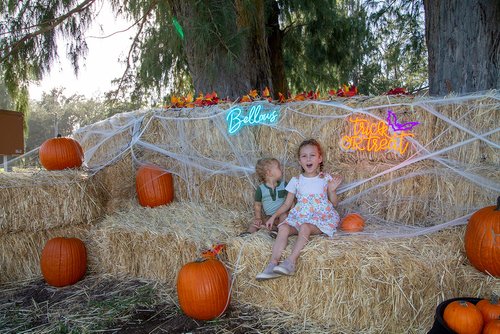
point(46, 26)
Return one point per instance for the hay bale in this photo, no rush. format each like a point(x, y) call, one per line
point(20, 252)
point(48, 199)
point(194, 145)
point(351, 283)
point(156, 242)
point(357, 284)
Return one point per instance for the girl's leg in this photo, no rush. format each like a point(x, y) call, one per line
point(284, 230)
point(305, 231)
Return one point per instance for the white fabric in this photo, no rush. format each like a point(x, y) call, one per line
point(308, 185)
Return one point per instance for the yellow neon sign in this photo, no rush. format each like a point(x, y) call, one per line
point(374, 137)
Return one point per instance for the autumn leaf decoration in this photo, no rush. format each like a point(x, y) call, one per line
point(397, 91)
point(213, 252)
point(344, 91)
point(252, 96)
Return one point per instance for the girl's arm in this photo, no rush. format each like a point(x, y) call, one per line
point(332, 189)
point(282, 209)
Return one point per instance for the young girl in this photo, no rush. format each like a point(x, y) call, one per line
point(314, 212)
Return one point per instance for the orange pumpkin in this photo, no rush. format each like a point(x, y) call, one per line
point(352, 222)
point(492, 327)
point(154, 186)
point(63, 261)
point(203, 289)
point(463, 317)
point(482, 239)
point(490, 309)
point(60, 153)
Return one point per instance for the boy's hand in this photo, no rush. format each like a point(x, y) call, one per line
point(257, 223)
point(335, 182)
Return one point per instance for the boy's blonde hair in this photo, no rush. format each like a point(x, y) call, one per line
point(263, 166)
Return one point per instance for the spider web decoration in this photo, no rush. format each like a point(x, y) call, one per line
point(450, 169)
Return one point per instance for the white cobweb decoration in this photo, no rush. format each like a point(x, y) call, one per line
point(194, 145)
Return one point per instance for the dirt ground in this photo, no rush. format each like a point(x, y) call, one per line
point(100, 304)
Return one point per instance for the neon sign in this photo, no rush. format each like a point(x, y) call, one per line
point(375, 136)
point(236, 117)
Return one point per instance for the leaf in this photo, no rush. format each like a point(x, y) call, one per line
point(246, 98)
point(281, 98)
point(266, 93)
point(253, 93)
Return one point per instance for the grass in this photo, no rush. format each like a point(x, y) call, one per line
point(103, 304)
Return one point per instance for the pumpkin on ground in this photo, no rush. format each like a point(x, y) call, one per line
point(482, 239)
point(463, 317)
point(352, 222)
point(490, 309)
point(63, 261)
point(154, 186)
point(492, 327)
point(203, 288)
point(60, 153)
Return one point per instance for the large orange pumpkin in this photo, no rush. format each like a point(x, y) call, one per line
point(352, 222)
point(154, 186)
point(490, 309)
point(482, 239)
point(60, 153)
point(203, 289)
point(463, 317)
point(63, 261)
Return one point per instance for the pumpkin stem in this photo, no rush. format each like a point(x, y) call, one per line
point(59, 136)
point(498, 204)
point(494, 298)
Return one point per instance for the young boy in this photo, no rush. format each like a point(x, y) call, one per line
point(269, 195)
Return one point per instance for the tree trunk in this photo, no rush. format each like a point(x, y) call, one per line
point(463, 41)
point(230, 68)
point(275, 45)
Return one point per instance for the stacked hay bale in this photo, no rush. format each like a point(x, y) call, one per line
point(353, 283)
point(38, 206)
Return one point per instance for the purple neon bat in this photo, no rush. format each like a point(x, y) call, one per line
point(392, 120)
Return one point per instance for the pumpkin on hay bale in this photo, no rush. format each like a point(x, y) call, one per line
point(352, 222)
point(154, 186)
point(482, 239)
point(60, 153)
point(63, 261)
point(204, 288)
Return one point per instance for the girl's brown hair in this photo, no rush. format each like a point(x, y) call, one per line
point(262, 167)
point(312, 142)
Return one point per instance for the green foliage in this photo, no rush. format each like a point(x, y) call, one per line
point(56, 114)
point(374, 44)
point(28, 34)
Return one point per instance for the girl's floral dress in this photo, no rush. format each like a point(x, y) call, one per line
point(314, 209)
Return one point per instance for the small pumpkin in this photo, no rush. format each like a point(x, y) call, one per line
point(63, 261)
point(492, 327)
point(60, 153)
point(463, 317)
point(203, 288)
point(490, 309)
point(352, 222)
point(154, 186)
point(482, 239)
